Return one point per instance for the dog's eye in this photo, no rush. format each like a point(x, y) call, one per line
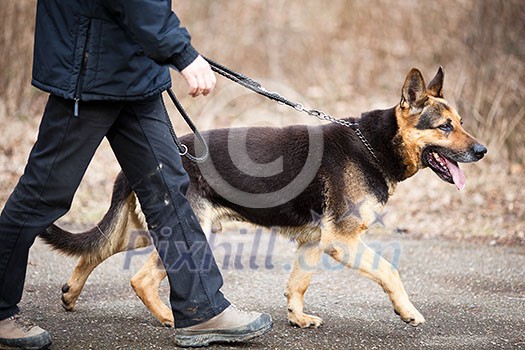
point(446, 126)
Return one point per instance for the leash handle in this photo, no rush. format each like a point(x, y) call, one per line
point(183, 149)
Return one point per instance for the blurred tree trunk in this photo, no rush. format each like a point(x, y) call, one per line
point(17, 26)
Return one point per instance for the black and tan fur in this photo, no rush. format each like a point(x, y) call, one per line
point(418, 132)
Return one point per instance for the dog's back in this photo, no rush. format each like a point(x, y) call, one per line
point(279, 176)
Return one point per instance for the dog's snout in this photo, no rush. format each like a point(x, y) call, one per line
point(479, 150)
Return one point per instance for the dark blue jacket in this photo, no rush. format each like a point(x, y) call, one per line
point(108, 49)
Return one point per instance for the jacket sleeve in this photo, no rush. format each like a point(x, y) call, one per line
point(156, 28)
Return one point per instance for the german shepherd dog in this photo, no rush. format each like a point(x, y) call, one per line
point(423, 130)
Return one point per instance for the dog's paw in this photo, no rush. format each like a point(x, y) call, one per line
point(168, 323)
point(68, 302)
point(413, 317)
point(162, 313)
point(303, 320)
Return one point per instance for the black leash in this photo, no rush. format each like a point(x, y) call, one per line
point(259, 89)
point(250, 84)
point(254, 86)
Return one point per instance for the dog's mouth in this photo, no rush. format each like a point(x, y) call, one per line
point(447, 169)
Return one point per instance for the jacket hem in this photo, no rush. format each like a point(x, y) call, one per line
point(100, 97)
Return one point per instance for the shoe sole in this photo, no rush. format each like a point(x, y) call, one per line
point(37, 342)
point(205, 339)
point(5, 347)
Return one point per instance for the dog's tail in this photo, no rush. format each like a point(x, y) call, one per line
point(93, 241)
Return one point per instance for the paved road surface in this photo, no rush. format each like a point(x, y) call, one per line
point(472, 296)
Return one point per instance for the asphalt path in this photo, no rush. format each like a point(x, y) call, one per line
point(472, 296)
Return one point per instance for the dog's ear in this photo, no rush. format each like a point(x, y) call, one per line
point(414, 91)
point(435, 87)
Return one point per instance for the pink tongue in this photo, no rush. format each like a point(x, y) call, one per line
point(457, 174)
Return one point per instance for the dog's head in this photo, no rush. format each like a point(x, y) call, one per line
point(431, 130)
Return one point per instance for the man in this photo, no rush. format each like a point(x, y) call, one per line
point(105, 64)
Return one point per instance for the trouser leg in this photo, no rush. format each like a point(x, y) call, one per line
point(148, 156)
point(55, 167)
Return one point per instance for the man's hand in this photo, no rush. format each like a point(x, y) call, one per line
point(199, 77)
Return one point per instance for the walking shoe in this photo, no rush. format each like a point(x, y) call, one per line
point(229, 326)
point(19, 333)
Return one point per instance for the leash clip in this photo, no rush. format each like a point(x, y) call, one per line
point(184, 149)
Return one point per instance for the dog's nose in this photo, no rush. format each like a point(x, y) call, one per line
point(479, 150)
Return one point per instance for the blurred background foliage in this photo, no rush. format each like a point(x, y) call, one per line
point(350, 56)
point(341, 56)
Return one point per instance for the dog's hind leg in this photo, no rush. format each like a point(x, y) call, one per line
point(146, 285)
point(351, 251)
point(88, 262)
point(305, 262)
point(125, 231)
point(72, 289)
point(146, 281)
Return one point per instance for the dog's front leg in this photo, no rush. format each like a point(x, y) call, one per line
point(305, 262)
point(351, 251)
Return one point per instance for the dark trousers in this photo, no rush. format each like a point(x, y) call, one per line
point(139, 136)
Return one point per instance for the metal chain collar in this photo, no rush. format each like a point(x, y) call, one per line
point(352, 125)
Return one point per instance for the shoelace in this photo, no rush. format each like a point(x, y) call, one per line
point(247, 314)
point(25, 324)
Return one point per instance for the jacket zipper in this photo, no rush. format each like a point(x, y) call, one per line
point(83, 65)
